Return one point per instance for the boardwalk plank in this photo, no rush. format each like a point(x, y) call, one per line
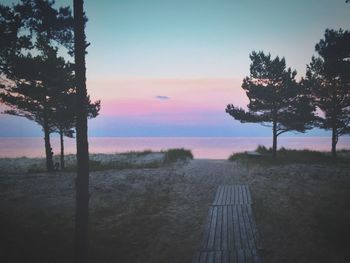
point(231, 242)
point(249, 195)
point(248, 227)
point(218, 230)
point(240, 256)
point(230, 234)
point(236, 195)
point(218, 257)
point(211, 238)
point(224, 236)
point(204, 243)
point(210, 258)
point(242, 227)
point(244, 196)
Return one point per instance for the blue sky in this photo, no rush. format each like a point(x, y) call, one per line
point(135, 44)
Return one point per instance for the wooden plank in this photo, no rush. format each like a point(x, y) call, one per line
point(249, 195)
point(256, 258)
point(231, 242)
point(218, 256)
point(210, 258)
point(240, 256)
point(211, 238)
point(244, 197)
point(220, 195)
point(224, 196)
point(232, 197)
point(248, 256)
point(216, 195)
point(240, 194)
point(218, 230)
point(248, 227)
point(203, 257)
point(205, 239)
point(236, 231)
point(242, 227)
point(224, 235)
point(233, 256)
point(230, 234)
point(228, 195)
point(225, 257)
point(236, 195)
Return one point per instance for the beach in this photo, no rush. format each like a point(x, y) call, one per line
point(158, 214)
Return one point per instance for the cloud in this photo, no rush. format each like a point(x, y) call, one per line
point(162, 97)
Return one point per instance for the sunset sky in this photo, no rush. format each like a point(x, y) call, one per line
point(170, 67)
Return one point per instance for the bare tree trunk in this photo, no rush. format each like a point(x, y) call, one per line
point(274, 140)
point(334, 143)
point(82, 180)
point(48, 149)
point(62, 149)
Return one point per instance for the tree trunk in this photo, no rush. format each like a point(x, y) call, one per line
point(334, 143)
point(82, 180)
point(62, 149)
point(48, 149)
point(274, 140)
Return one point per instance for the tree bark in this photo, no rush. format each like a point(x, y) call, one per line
point(48, 149)
point(62, 149)
point(82, 180)
point(274, 140)
point(334, 143)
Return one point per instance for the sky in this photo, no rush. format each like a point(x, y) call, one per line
point(170, 67)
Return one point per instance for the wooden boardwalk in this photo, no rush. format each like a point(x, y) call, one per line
point(230, 233)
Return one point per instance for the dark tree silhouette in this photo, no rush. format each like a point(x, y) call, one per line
point(328, 77)
point(275, 98)
point(63, 119)
point(28, 28)
point(39, 80)
point(82, 180)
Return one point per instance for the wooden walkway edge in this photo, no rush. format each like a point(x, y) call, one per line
point(230, 234)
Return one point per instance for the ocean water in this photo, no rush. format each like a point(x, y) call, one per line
point(213, 147)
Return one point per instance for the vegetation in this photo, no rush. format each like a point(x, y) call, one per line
point(33, 72)
point(275, 98)
point(37, 83)
point(287, 156)
point(173, 155)
point(328, 79)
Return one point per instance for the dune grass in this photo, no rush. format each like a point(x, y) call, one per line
point(288, 156)
point(174, 155)
point(118, 161)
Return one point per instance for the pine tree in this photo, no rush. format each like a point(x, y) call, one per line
point(328, 77)
point(275, 98)
point(31, 33)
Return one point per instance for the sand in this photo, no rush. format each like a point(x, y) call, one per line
point(157, 215)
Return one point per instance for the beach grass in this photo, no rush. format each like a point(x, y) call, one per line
point(264, 156)
point(99, 162)
point(174, 155)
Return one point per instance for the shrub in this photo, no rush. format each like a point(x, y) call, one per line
point(173, 155)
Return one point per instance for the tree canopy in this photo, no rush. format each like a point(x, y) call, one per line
point(275, 97)
point(328, 77)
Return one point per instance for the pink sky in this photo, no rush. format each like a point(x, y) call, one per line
point(187, 100)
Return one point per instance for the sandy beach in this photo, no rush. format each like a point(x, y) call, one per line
point(157, 215)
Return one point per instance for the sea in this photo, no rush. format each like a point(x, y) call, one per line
point(201, 147)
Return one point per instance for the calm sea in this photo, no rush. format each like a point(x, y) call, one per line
point(214, 148)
